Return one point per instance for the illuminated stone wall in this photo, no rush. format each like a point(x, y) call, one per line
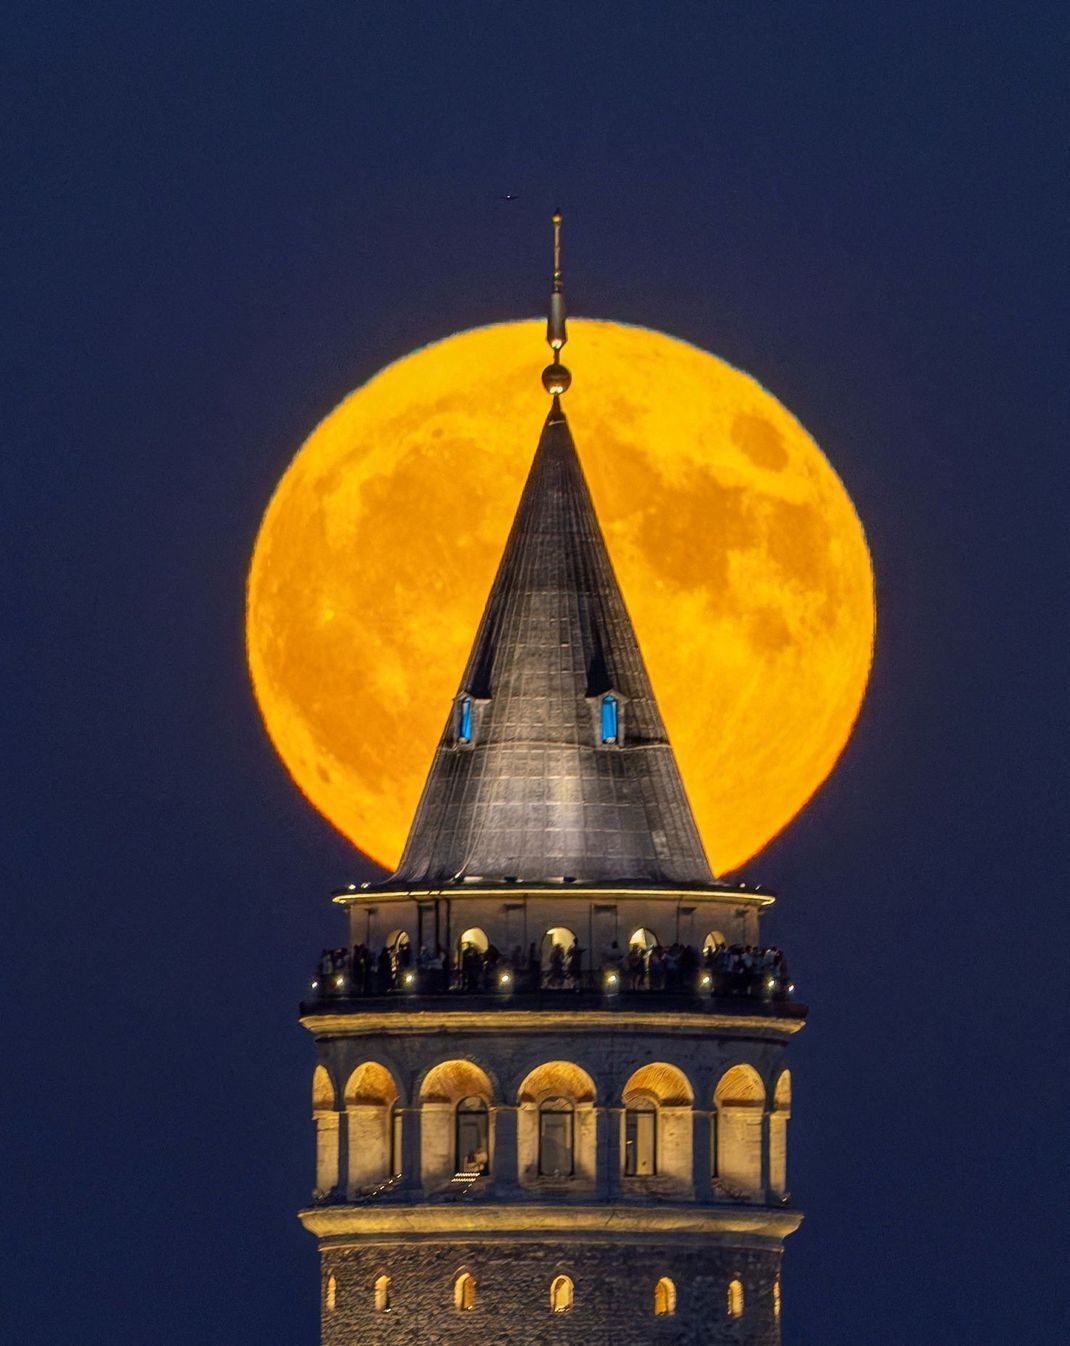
point(613, 1301)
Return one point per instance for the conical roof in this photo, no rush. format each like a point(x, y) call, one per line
point(528, 782)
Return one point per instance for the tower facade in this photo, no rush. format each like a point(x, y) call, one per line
point(551, 1099)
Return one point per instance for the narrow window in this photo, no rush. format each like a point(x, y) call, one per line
point(610, 718)
point(776, 1298)
point(382, 1294)
point(664, 1298)
point(556, 1118)
point(735, 1299)
point(331, 1295)
point(464, 726)
point(464, 1291)
point(561, 1294)
point(641, 1139)
point(472, 1150)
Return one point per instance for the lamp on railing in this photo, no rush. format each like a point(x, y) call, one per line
point(611, 981)
point(505, 982)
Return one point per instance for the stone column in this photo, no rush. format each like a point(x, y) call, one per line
point(765, 1183)
point(703, 1159)
point(411, 1149)
point(608, 1153)
point(505, 1160)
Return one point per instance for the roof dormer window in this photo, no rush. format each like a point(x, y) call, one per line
point(464, 720)
point(610, 719)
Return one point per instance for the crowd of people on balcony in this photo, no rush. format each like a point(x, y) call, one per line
point(644, 965)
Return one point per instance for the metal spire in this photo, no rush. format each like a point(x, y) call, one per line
point(556, 378)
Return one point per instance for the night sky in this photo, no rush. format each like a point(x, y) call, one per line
point(221, 218)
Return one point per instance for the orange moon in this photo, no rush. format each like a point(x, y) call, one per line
point(742, 561)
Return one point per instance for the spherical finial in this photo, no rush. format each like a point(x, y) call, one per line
point(556, 379)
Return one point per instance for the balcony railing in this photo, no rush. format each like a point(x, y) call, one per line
point(742, 978)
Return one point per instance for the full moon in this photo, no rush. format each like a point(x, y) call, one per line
point(740, 556)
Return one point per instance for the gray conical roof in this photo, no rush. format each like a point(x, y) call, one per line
point(535, 794)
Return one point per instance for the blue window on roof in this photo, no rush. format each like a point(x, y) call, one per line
point(465, 727)
point(610, 719)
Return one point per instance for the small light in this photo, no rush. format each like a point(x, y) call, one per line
point(339, 981)
point(315, 984)
point(409, 979)
point(791, 987)
point(707, 980)
point(352, 887)
point(769, 983)
point(505, 979)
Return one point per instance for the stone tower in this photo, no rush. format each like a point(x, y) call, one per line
point(551, 1100)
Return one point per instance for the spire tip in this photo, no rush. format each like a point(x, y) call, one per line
point(556, 378)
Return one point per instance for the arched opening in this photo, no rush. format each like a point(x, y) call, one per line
point(557, 1138)
point(325, 1115)
point(556, 956)
point(470, 958)
point(640, 1138)
point(734, 1299)
point(562, 1294)
point(472, 1134)
point(657, 1126)
point(556, 1125)
point(714, 940)
point(382, 1294)
point(643, 939)
point(330, 1294)
point(664, 1298)
point(371, 1098)
point(464, 1291)
point(396, 1133)
point(778, 1134)
point(739, 1101)
point(399, 951)
point(455, 1133)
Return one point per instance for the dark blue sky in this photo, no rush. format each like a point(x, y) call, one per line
point(218, 220)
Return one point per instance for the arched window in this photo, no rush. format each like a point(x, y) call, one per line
point(641, 1139)
point(713, 941)
point(331, 1293)
point(557, 1119)
point(735, 1299)
point(472, 1148)
point(776, 1298)
point(644, 940)
point(562, 1293)
point(664, 1298)
point(382, 1294)
point(610, 718)
point(464, 1291)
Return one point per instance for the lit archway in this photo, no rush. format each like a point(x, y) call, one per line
point(658, 1126)
point(325, 1114)
point(739, 1102)
point(371, 1097)
point(556, 1125)
point(455, 1131)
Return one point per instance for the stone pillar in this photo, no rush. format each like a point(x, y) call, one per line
point(505, 1160)
point(327, 1132)
point(703, 1158)
point(411, 1150)
point(608, 1153)
point(765, 1182)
